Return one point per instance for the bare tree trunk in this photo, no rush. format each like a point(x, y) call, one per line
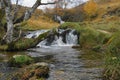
point(8, 38)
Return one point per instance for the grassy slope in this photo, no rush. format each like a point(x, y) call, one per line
point(108, 10)
point(37, 21)
point(41, 22)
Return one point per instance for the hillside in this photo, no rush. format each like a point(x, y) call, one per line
point(108, 10)
point(38, 20)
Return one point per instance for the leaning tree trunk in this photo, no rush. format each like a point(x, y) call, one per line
point(8, 38)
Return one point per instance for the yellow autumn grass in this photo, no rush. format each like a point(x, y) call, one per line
point(40, 22)
point(108, 6)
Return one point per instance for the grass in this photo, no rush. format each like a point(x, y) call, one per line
point(114, 43)
point(112, 67)
point(89, 36)
point(112, 59)
point(39, 23)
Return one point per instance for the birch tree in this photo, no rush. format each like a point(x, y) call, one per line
point(11, 13)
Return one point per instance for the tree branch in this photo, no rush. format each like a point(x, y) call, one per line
point(47, 3)
point(29, 12)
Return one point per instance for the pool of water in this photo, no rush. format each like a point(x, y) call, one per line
point(65, 63)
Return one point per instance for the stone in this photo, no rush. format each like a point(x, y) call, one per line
point(36, 71)
point(19, 61)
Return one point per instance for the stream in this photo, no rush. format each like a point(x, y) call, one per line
point(64, 61)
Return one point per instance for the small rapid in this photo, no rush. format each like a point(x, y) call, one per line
point(62, 37)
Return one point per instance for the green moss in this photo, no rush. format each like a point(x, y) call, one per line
point(22, 59)
point(90, 37)
point(24, 43)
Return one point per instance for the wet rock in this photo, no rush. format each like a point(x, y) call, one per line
point(33, 72)
point(77, 46)
point(19, 61)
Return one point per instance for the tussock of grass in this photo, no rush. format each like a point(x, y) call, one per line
point(112, 59)
point(114, 43)
point(112, 67)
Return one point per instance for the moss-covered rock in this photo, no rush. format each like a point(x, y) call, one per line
point(23, 43)
point(19, 60)
point(38, 71)
point(72, 25)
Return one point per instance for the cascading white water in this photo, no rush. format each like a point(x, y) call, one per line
point(59, 19)
point(65, 38)
point(71, 40)
point(35, 34)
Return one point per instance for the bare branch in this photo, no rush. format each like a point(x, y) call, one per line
point(7, 3)
point(19, 36)
point(47, 3)
point(15, 10)
point(29, 12)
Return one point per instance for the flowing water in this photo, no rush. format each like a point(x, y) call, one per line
point(64, 61)
point(67, 65)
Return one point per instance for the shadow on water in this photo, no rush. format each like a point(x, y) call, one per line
point(92, 58)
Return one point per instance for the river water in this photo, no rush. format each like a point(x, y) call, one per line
point(67, 65)
point(65, 62)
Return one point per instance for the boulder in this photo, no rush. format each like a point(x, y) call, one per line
point(36, 71)
point(19, 61)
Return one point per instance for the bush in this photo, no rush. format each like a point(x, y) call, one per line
point(91, 8)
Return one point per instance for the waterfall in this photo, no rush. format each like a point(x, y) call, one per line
point(35, 34)
point(61, 37)
point(64, 38)
point(58, 18)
